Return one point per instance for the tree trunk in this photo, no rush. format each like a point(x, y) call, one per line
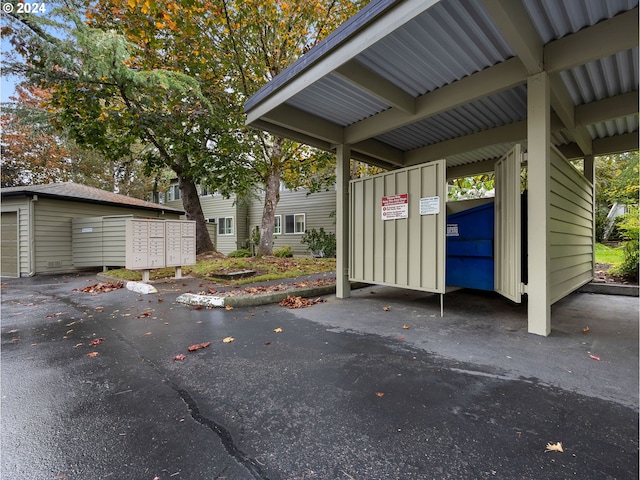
point(271, 198)
point(193, 209)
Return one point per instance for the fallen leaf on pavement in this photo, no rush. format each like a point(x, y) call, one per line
point(595, 357)
point(149, 333)
point(406, 327)
point(228, 339)
point(144, 314)
point(15, 330)
point(554, 447)
point(93, 354)
point(386, 309)
point(277, 330)
point(97, 341)
point(198, 346)
point(179, 357)
point(585, 330)
point(228, 307)
point(380, 394)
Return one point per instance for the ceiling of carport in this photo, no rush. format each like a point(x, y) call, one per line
point(404, 82)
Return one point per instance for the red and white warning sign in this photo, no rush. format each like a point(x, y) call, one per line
point(395, 206)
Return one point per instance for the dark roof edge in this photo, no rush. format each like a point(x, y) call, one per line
point(364, 17)
point(26, 192)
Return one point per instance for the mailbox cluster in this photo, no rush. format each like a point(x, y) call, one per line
point(159, 243)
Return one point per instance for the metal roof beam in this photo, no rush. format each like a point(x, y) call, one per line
point(287, 133)
point(512, 20)
point(382, 151)
point(608, 109)
point(513, 132)
point(595, 112)
point(604, 146)
point(471, 169)
point(606, 38)
point(299, 121)
point(375, 84)
point(491, 80)
point(563, 106)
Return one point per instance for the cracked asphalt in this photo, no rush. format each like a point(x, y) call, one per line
point(342, 392)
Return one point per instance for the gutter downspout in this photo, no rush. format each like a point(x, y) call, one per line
point(32, 242)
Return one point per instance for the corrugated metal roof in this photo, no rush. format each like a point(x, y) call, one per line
point(83, 193)
point(450, 41)
point(338, 100)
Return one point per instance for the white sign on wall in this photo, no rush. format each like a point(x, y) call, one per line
point(429, 206)
point(395, 206)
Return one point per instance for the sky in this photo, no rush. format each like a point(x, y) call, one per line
point(7, 83)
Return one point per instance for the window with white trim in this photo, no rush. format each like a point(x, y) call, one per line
point(294, 223)
point(173, 193)
point(277, 225)
point(225, 226)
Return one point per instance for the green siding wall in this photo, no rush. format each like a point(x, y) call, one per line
point(53, 229)
point(570, 228)
point(318, 208)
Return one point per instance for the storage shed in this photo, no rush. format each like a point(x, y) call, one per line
point(467, 88)
point(37, 224)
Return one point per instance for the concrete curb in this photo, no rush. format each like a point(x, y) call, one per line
point(255, 300)
point(610, 289)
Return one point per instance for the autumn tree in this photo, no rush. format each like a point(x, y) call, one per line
point(34, 152)
point(234, 47)
point(102, 94)
point(31, 152)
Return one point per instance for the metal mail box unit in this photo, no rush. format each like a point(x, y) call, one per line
point(155, 243)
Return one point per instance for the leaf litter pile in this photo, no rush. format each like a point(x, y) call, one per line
point(299, 302)
point(102, 287)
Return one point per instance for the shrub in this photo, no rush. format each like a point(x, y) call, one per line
point(284, 252)
point(629, 228)
point(240, 253)
point(320, 243)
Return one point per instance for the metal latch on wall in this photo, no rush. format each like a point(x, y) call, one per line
point(524, 288)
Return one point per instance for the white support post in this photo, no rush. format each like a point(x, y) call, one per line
point(343, 286)
point(146, 274)
point(178, 271)
point(539, 159)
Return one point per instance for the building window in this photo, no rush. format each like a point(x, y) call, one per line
point(277, 226)
point(204, 190)
point(225, 226)
point(173, 193)
point(294, 223)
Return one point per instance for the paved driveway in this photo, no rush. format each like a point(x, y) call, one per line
point(342, 392)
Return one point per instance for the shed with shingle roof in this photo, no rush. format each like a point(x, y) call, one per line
point(37, 223)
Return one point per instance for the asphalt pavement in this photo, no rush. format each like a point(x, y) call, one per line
point(378, 386)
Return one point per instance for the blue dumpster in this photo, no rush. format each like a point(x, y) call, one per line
point(470, 248)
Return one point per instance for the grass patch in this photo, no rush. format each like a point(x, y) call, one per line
point(609, 255)
point(267, 268)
